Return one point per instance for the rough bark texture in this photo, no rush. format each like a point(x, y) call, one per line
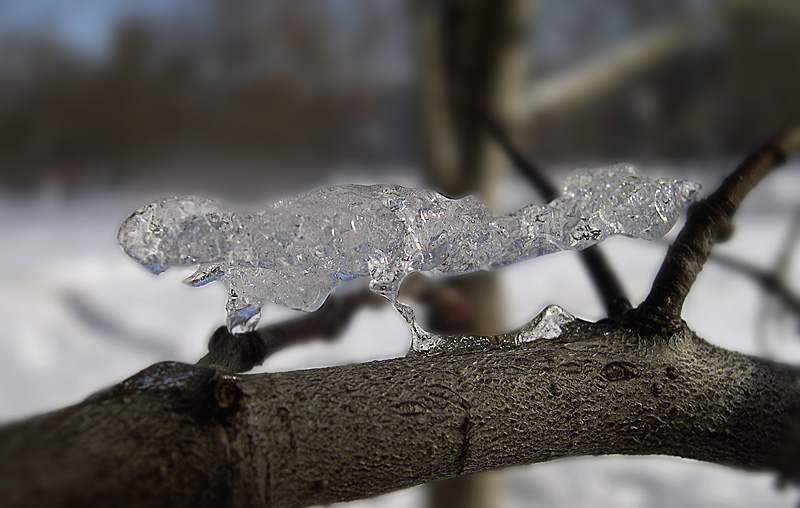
point(471, 56)
point(180, 435)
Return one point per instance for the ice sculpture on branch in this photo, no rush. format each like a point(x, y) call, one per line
point(297, 250)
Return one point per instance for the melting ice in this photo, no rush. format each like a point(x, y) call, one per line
point(295, 251)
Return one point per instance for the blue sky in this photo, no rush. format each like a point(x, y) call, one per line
point(85, 25)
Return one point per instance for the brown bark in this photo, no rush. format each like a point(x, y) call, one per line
point(710, 221)
point(180, 435)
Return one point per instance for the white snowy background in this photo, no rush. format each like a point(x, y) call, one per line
point(79, 316)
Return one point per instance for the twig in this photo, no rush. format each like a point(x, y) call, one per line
point(605, 281)
point(772, 281)
point(769, 281)
point(110, 329)
point(241, 352)
point(534, 174)
point(228, 352)
point(782, 265)
point(786, 299)
point(709, 221)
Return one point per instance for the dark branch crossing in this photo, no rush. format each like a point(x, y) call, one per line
point(605, 281)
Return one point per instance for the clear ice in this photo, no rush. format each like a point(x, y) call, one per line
point(549, 324)
point(297, 250)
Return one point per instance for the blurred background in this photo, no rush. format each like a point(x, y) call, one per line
point(106, 105)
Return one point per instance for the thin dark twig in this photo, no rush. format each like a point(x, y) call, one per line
point(782, 265)
point(774, 309)
point(600, 271)
point(241, 352)
point(533, 173)
point(770, 281)
point(709, 221)
point(606, 282)
point(110, 329)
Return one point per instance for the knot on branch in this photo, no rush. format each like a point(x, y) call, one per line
point(224, 396)
point(198, 391)
point(619, 371)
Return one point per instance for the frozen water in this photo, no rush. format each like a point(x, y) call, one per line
point(549, 324)
point(297, 250)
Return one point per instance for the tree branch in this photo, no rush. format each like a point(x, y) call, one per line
point(770, 282)
point(613, 68)
point(709, 221)
point(180, 435)
point(450, 307)
point(242, 352)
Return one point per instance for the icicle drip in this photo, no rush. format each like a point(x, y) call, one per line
point(297, 250)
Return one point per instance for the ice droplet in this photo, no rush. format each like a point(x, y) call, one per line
point(549, 324)
point(297, 250)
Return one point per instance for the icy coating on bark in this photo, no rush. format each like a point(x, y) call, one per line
point(297, 250)
point(549, 324)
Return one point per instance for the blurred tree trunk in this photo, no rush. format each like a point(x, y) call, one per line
point(471, 56)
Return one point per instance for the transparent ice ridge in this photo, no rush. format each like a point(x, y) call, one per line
point(549, 324)
point(297, 250)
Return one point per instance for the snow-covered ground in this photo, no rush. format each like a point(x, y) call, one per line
point(78, 316)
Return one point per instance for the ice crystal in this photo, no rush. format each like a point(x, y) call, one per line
point(549, 324)
point(297, 250)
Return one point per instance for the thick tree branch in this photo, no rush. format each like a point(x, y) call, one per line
point(709, 221)
point(180, 435)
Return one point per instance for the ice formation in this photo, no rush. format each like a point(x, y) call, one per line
point(298, 249)
point(549, 324)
